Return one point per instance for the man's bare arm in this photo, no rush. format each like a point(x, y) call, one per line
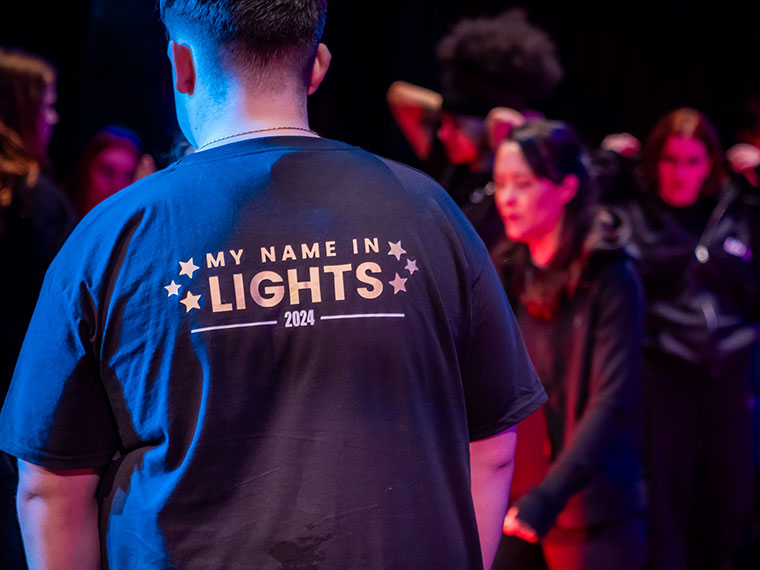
point(58, 514)
point(491, 464)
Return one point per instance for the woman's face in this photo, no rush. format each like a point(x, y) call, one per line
point(47, 118)
point(111, 170)
point(683, 167)
point(530, 207)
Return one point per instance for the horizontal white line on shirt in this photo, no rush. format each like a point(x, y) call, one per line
point(238, 326)
point(363, 316)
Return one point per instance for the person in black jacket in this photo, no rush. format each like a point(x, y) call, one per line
point(579, 305)
point(698, 256)
point(35, 218)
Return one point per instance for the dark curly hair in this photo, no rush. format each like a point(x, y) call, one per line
point(499, 61)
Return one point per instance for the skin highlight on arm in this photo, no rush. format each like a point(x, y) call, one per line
point(58, 514)
point(491, 468)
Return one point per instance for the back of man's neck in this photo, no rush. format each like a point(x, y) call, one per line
point(253, 117)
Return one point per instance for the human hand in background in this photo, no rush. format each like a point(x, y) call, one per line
point(499, 123)
point(513, 526)
point(416, 111)
point(744, 159)
point(625, 144)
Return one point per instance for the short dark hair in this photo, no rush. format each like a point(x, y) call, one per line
point(688, 123)
point(253, 33)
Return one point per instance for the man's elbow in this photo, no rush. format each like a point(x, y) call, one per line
point(42, 484)
point(495, 453)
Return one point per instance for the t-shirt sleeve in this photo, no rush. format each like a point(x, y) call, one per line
point(56, 413)
point(500, 386)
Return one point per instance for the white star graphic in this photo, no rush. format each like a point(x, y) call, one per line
point(190, 301)
point(411, 266)
point(173, 288)
point(396, 249)
point(188, 268)
point(399, 284)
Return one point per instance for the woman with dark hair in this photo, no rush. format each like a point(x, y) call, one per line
point(27, 98)
point(35, 217)
point(579, 305)
point(697, 253)
point(34, 220)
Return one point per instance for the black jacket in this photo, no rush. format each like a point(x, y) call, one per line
point(588, 358)
point(700, 266)
point(32, 228)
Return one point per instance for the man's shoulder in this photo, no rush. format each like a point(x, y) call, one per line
point(414, 179)
point(107, 223)
point(128, 202)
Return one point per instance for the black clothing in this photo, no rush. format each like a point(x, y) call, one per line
point(33, 226)
point(288, 344)
point(701, 274)
point(699, 457)
point(472, 191)
point(702, 283)
point(618, 545)
point(32, 229)
point(588, 360)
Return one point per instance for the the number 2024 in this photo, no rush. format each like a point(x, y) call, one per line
point(299, 318)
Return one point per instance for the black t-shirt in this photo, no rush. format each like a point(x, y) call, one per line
point(281, 347)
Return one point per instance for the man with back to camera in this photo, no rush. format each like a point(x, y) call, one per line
point(275, 352)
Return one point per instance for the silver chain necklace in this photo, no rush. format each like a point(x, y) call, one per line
point(204, 145)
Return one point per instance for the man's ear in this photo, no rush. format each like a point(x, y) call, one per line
point(568, 188)
point(183, 67)
point(321, 63)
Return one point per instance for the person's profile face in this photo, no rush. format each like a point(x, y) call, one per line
point(47, 118)
point(462, 137)
point(682, 170)
point(530, 206)
point(111, 170)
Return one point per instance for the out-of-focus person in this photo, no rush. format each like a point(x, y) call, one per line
point(35, 218)
point(695, 237)
point(112, 160)
point(279, 352)
point(579, 305)
point(502, 61)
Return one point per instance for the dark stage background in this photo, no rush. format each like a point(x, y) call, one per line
point(627, 62)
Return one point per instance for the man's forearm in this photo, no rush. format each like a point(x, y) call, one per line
point(491, 462)
point(58, 515)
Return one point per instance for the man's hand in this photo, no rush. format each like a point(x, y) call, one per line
point(513, 526)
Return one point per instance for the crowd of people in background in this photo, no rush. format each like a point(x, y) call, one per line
point(634, 275)
point(632, 268)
